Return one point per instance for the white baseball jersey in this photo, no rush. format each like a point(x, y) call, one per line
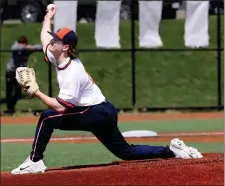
point(77, 88)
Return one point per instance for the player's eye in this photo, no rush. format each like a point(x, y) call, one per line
point(51, 42)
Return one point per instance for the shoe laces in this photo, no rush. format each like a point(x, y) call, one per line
point(180, 142)
point(194, 151)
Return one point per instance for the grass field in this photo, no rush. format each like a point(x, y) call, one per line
point(25, 131)
point(162, 78)
point(63, 154)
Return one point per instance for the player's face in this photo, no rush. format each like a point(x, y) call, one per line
point(56, 46)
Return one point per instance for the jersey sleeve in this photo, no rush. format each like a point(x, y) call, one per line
point(69, 92)
point(65, 103)
point(48, 56)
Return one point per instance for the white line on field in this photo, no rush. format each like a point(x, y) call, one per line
point(11, 140)
point(191, 134)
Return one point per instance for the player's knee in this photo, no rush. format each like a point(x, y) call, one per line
point(46, 117)
point(44, 114)
point(47, 114)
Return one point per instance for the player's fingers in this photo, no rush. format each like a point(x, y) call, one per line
point(47, 12)
point(53, 10)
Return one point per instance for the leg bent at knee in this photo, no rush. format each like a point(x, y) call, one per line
point(140, 152)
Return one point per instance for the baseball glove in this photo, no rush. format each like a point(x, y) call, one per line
point(25, 76)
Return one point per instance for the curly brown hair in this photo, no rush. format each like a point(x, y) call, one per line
point(72, 52)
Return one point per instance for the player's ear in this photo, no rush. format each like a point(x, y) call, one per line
point(65, 47)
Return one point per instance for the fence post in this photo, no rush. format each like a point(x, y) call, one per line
point(219, 56)
point(49, 79)
point(133, 50)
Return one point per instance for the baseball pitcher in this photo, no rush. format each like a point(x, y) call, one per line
point(80, 105)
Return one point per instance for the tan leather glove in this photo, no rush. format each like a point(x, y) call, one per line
point(25, 76)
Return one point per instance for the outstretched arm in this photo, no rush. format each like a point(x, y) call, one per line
point(45, 36)
point(31, 48)
point(51, 102)
point(17, 46)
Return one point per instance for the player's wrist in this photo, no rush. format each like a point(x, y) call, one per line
point(37, 93)
point(47, 17)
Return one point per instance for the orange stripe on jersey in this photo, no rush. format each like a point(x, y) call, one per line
point(63, 68)
point(65, 103)
point(46, 58)
point(45, 54)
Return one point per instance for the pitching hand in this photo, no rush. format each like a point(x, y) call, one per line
point(50, 12)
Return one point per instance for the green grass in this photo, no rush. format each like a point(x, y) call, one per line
point(25, 131)
point(162, 78)
point(60, 155)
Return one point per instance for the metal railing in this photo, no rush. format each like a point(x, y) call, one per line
point(133, 51)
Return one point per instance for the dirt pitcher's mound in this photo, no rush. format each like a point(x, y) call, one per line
point(206, 171)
